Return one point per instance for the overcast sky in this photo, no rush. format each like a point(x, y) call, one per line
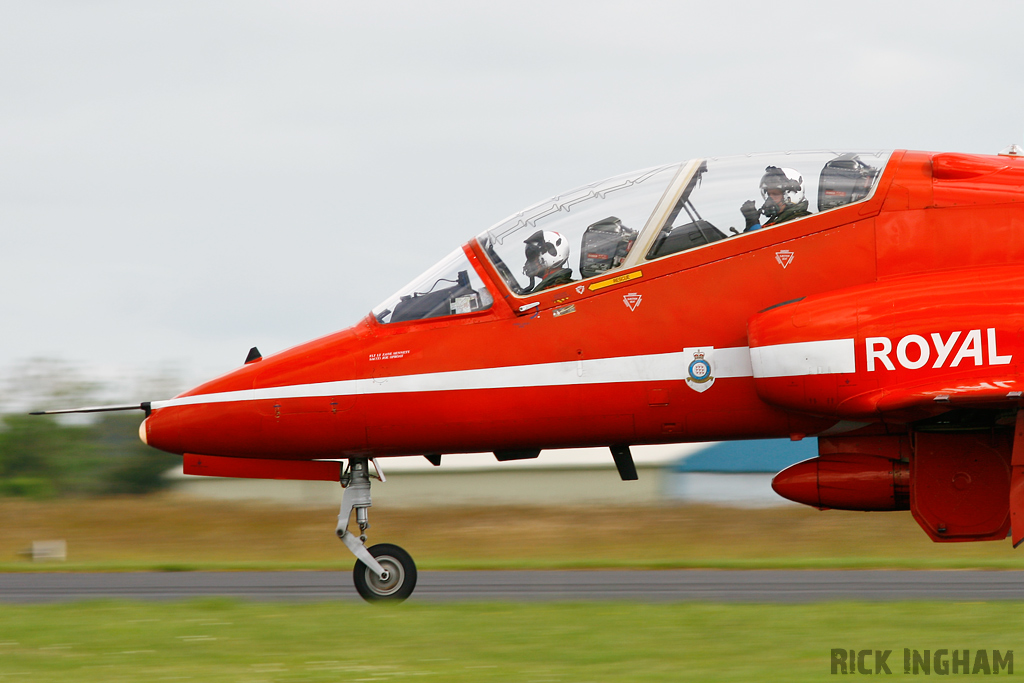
point(180, 181)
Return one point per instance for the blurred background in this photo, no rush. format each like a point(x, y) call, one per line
point(182, 181)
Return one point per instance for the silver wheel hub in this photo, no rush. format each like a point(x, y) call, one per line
point(390, 581)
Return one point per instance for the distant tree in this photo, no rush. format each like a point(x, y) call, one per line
point(83, 455)
point(134, 467)
point(143, 474)
point(40, 457)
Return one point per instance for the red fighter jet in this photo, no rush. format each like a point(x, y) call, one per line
point(874, 300)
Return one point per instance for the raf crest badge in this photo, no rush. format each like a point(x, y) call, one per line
point(700, 372)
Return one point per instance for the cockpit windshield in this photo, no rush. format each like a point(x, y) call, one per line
point(452, 287)
point(578, 234)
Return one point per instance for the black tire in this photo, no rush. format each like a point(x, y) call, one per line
point(400, 583)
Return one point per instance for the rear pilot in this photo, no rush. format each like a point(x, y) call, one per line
point(783, 192)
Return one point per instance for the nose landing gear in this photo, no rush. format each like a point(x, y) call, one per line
point(383, 572)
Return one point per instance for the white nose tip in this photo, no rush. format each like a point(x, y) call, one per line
point(142, 431)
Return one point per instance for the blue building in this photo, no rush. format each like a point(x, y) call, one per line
point(737, 473)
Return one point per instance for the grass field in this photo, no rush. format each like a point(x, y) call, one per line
point(228, 640)
point(172, 532)
point(222, 640)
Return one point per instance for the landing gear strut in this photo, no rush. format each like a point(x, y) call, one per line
point(384, 571)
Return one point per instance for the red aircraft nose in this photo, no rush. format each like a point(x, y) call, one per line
point(162, 430)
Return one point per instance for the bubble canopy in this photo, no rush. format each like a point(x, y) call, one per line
point(636, 217)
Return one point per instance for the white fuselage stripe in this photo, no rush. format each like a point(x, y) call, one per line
point(727, 363)
point(826, 357)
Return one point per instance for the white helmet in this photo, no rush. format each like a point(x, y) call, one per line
point(786, 179)
point(545, 250)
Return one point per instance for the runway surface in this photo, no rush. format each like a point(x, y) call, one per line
point(531, 586)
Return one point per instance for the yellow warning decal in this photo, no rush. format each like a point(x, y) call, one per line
point(615, 280)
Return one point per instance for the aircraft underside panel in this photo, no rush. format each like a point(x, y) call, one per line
point(960, 486)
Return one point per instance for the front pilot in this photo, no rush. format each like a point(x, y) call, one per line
point(546, 254)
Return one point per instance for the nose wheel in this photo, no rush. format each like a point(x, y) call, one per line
point(395, 584)
point(384, 572)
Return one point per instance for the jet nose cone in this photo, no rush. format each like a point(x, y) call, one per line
point(799, 483)
point(162, 429)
